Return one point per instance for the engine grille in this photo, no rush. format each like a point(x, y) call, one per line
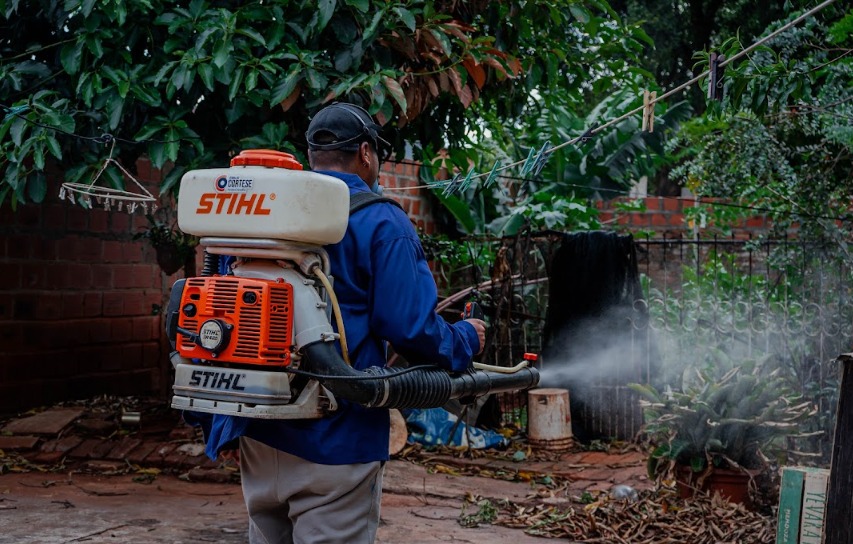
point(259, 310)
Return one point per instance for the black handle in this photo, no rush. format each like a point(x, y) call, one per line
point(473, 311)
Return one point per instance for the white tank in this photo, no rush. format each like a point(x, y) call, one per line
point(264, 194)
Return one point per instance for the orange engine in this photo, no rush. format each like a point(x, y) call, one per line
point(237, 320)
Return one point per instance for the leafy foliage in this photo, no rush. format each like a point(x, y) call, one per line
point(727, 413)
point(195, 81)
point(781, 139)
point(771, 329)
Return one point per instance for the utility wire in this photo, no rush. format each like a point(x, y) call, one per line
point(623, 192)
point(651, 103)
point(105, 138)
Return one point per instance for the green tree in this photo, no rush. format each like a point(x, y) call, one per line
point(196, 80)
point(782, 138)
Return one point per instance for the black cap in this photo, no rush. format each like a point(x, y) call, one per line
point(343, 126)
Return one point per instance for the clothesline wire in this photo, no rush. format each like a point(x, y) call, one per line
point(665, 95)
point(624, 192)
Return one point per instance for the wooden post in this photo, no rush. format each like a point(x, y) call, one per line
point(839, 502)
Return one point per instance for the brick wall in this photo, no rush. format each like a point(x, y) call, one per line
point(664, 216)
point(80, 299)
point(79, 302)
point(395, 176)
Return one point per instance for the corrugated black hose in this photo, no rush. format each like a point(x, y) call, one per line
point(417, 387)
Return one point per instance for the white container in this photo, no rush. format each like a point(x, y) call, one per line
point(549, 423)
point(264, 202)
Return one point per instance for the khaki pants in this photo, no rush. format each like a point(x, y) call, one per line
point(293, 501)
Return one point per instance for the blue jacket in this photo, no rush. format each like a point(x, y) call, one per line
point(387, 294)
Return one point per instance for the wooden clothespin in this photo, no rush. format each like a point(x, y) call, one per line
point(715, 76)
point(649, 110)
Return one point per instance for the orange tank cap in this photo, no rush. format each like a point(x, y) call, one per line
point(531, 357)
point(266, 157)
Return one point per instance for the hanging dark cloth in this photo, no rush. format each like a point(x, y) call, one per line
point(596, 338)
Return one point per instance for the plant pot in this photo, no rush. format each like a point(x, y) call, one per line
point(731, 484)
point(170, 257)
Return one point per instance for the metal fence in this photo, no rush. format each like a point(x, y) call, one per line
point(782, 302)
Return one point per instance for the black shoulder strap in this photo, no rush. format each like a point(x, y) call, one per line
point(366, 198)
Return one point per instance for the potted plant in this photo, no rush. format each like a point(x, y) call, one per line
point(174, 249)
point(721, 425)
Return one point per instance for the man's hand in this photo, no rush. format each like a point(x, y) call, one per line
point(480, 327)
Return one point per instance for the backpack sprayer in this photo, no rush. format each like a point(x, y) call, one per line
point(258, 342)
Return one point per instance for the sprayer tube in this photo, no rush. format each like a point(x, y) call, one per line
point(422, 388)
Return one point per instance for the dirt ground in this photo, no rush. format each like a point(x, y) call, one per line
point(51, 508)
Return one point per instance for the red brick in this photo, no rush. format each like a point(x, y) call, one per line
point(102, 276)
point(102, 449)
point(639, 219)
point(119, 222)
point(77, 218)
point(143, 169)
point(62, 445)
point(121, 329)
point(13, 274)
point(47, 422)
point(88, 250)
point(54, 217)
point(123, 448)
point(5, 306)
point(92, 304)
point(161, 451)
point(76, 276)
point(676, 219)
point(138, 454)
point(49, 306)
point(595, 458)
point(145, 328)
point(111, 251)
point(653, 204)
point(67, 248)
point(18, 247)
point(659, 220)
point(127, 276)
point(51, 458)
point(28, 216)
point(152, 356)
point(135, 303)
point(755, 222)
point(25, 306)
point(672, 204)
point(113, 304)
point(43, 248)
point(132, 252)
point(18, 443)
point(98, 221)
point(139, 223)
